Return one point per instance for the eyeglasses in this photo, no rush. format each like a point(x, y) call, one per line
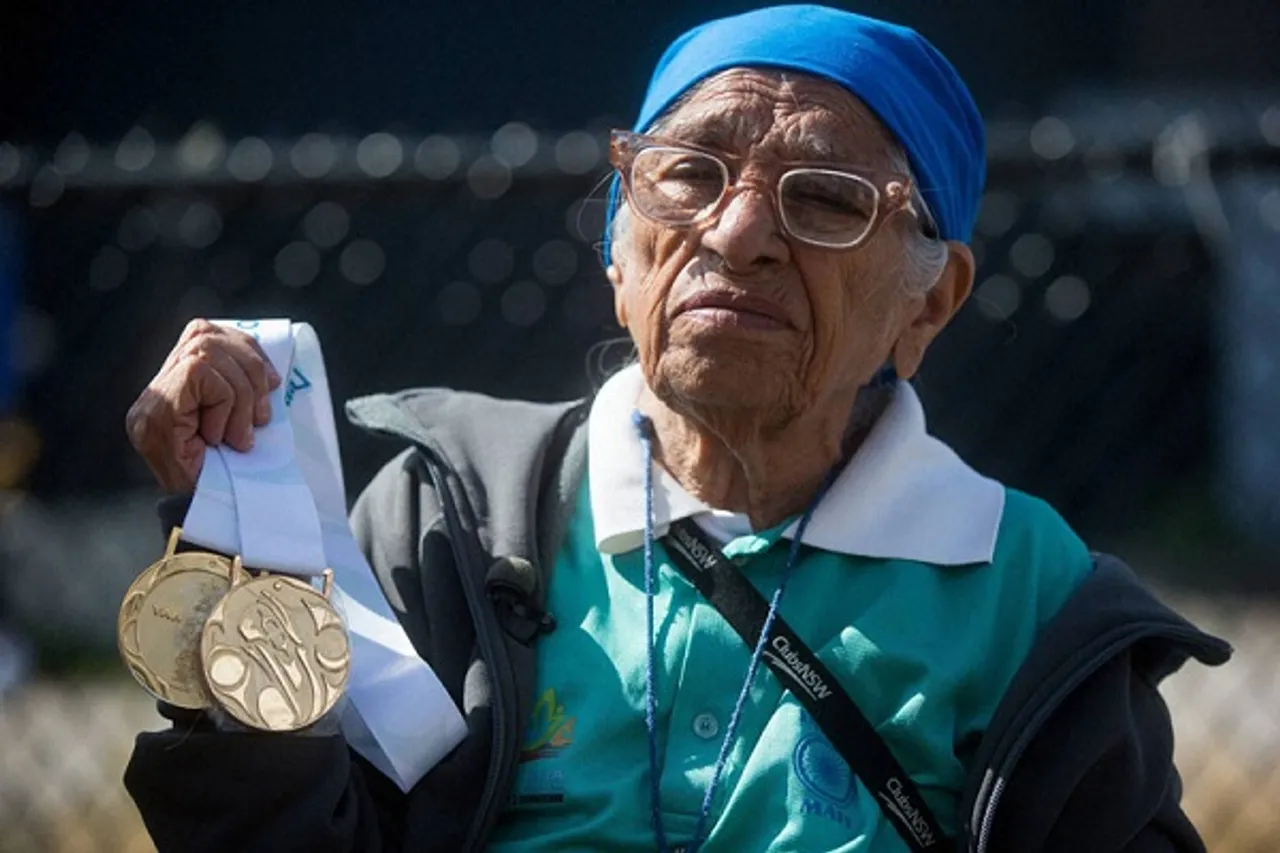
point(680, 184)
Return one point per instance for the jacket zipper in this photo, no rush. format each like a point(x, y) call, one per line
point(1108, 646)
point(441, 475)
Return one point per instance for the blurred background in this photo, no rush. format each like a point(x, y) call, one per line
point(422, 183)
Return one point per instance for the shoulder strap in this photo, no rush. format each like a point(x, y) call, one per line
point(700, 560)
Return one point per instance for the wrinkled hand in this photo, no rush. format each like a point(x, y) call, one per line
point(212, 389)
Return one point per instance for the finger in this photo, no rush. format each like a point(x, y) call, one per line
point(238, 429)
point(193, 337)
point(251, 357)
point(262, 411)
point(248, 353)
point(262, 375)
point(202, 336)
point(206, 391)
point(273, 376)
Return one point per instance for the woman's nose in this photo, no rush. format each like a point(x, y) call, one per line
point(747, 234)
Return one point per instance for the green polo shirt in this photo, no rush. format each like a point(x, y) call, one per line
point(925, 651)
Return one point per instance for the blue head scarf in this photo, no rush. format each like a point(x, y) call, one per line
point(902, 78)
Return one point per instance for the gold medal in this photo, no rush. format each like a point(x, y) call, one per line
point(274, 652)
point(164, 610)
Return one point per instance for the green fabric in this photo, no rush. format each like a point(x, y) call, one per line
point(925, 651)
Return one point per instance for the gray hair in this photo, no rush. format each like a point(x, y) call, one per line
point(926, 254)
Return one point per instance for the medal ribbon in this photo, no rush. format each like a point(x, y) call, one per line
point(282, 507)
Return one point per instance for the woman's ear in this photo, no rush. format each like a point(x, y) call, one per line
point(613, 272)
point(935, 310)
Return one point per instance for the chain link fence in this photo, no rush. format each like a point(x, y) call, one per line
point(1093, 367)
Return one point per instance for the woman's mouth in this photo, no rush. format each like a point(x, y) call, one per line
point(730, 308)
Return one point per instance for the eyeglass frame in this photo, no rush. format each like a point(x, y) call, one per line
point(893, 190)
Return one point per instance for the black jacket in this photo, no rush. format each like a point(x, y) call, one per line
point(1078, 756)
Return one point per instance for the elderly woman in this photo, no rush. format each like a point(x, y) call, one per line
point(741, 600)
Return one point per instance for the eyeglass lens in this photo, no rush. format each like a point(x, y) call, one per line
point(678, 186)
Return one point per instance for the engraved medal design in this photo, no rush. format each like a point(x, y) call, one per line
point(158, 628)
point(275, 653)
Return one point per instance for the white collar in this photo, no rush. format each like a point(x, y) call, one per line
point(904, 495)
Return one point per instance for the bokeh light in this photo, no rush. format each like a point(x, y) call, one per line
point(250, 160)
point(379, 155)
point(488, 177)
point(998, 297)
point(297, 264)
point(491, 261)
point(326, 225)
point(437, 157)
point(362, 262)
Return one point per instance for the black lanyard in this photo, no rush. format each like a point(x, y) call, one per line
point(699, 559)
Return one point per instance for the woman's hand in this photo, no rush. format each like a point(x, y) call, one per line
point(212, 389)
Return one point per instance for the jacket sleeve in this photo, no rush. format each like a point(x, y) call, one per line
point(203, 789)
point(1100, 775)
point(1169, 830)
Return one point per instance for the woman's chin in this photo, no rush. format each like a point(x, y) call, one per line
point(727, 376)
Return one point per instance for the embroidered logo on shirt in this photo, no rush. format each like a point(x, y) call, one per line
point(828, 782)
point(539, 786)
point(822, 771)
point(550, 730)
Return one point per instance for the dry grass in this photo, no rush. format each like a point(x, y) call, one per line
point(1227, 721)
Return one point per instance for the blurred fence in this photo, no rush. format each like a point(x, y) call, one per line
point(1093, 367)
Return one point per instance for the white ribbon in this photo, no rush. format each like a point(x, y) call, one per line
point(282, 507)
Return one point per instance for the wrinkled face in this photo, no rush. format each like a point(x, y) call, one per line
point(735, 314)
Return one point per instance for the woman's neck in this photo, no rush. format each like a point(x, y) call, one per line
point(742, 462)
